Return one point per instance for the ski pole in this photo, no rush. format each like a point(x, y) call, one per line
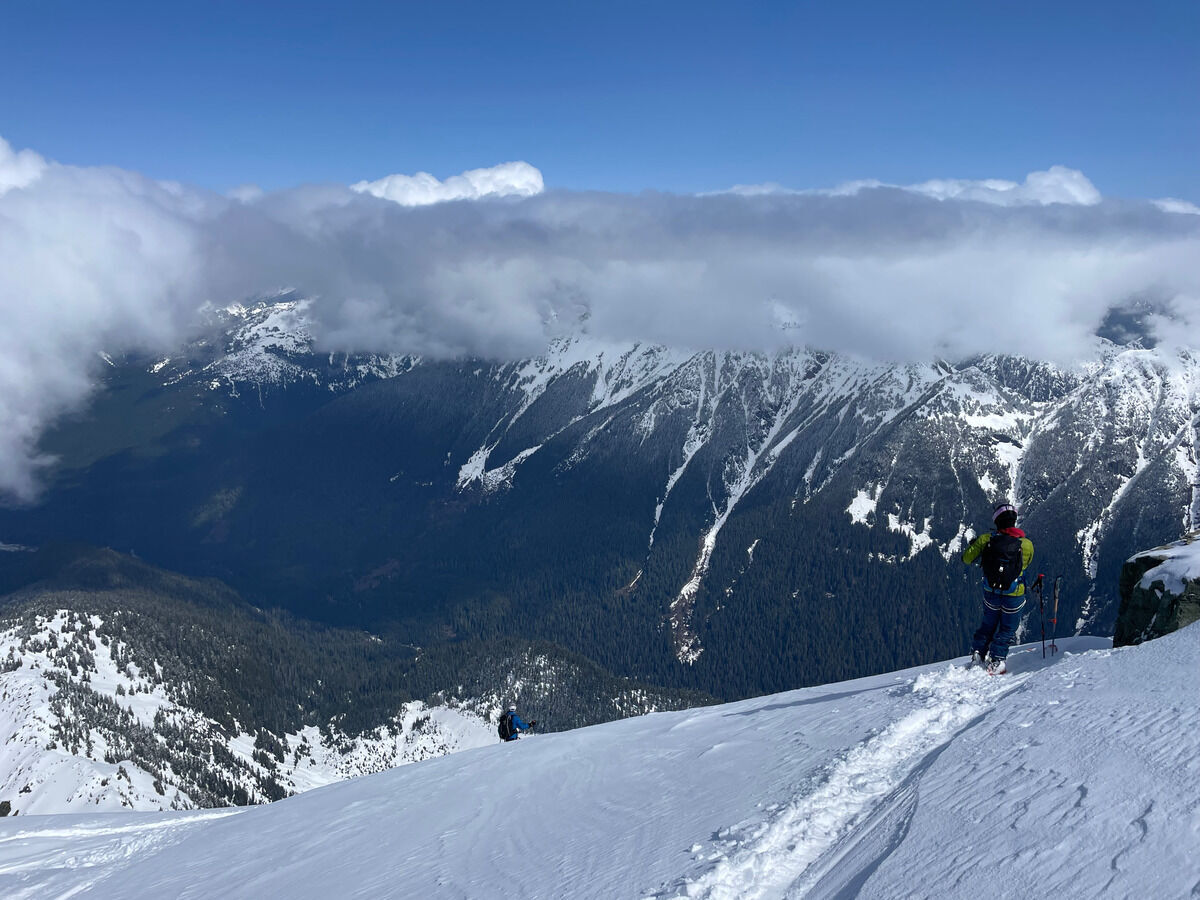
point(1054, 616)
point(1037, 586)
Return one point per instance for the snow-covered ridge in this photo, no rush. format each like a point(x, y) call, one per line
point(1099, 433)
point(771, 400)
point(614, 373)
point(269, 342)
point(38, 774)
point(1069, 777)
point(71, 701)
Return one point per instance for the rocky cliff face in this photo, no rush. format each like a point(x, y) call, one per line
point(1160, 592)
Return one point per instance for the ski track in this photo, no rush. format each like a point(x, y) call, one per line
point(36, 863)
point(838, 832)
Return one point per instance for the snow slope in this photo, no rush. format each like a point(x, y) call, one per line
point(1070, 778)
point(41, 771)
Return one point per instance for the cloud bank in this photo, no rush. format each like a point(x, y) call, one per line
point(90, 259)
point(96, 260)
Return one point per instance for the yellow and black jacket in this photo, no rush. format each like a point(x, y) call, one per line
point(976, 547)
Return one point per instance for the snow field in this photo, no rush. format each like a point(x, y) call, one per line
point(781, 850)
point(1072, 777)
point(1081, 784)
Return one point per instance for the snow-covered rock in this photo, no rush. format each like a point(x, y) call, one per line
point(1160, 591)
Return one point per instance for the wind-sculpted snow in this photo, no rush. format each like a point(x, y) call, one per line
point(1083, 787)
point(1070, 777)
point(776, 856)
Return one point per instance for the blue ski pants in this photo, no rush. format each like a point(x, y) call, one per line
point(999, 626)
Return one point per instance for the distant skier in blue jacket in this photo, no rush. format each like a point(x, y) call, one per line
point(1004, 555)
point(511, 725)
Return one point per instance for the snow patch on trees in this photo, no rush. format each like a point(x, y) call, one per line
point(862, 507)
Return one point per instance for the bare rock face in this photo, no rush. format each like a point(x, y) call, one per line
point(1160, 592)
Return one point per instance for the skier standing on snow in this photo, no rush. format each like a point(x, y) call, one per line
point(1004, 555)
point(511, 725)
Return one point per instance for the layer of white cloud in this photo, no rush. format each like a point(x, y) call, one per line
point(1058, 184)
point(90, 259)
point(511, 179)
point(1172, 205)
point(98, 260)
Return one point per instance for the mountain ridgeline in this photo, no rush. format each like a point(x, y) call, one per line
point(727, 523)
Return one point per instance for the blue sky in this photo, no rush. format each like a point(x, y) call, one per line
point(99, 253)
point(614, 96)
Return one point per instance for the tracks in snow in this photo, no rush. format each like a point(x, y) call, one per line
point(66, 860)
point(831, 837)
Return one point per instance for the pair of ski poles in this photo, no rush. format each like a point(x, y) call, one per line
point(1037, 586)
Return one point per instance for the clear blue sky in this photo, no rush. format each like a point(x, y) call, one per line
point(615, 95)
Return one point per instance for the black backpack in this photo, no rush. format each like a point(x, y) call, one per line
point(1002, 561)
point(506, 726)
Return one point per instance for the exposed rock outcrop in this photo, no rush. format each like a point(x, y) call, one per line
point(1160, 591)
